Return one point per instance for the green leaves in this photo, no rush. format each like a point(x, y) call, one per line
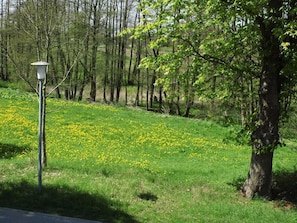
point(214, 48)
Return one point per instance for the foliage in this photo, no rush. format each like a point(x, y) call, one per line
point(209, 49)
point(214, 48)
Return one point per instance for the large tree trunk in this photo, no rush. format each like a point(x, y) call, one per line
point(265, 137)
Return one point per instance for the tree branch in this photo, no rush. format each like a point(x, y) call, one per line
point(206, 57)
point(20, 75)
point(65, 76)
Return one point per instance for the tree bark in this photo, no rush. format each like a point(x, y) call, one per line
point(265, 137)
point(259, 176)
point(93, 75)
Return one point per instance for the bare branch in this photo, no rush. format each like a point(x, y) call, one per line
point(21, 75)
point(65, 76)
point(68, 72)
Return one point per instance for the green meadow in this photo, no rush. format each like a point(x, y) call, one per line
point(117, 164)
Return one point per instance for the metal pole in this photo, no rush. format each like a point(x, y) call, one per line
point(40, 135)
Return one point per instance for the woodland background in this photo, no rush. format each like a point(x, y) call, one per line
point(89, 59)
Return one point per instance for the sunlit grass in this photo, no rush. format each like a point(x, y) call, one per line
point(146, 167)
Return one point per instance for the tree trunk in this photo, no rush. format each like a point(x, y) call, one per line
point(4, 42)
point(160, 99)
point(259, 176)
point(137, 72)
point(152, 90)
point(265, 137)
point(252, 101)
point(113, 42)
point(96, 23)
point(93, 62)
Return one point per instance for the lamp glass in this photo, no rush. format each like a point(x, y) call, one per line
point(41, 72)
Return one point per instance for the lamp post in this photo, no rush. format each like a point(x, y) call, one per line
point(41, 75)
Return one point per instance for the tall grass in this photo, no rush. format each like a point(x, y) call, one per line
point(119, 164)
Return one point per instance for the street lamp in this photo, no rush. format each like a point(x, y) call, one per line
point(41, 75)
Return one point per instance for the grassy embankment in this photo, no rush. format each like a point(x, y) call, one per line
point(125, 165)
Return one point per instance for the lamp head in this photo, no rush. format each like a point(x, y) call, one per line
point(41, 69)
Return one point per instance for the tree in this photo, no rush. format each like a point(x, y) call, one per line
point(273, 79)
point(4, 37)
point(231, 41)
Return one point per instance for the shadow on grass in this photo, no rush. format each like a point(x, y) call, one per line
point(148, 196)
point(8, 151)
point(284, 188)
point(62, 200)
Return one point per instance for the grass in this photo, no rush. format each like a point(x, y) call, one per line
point(119, 164)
